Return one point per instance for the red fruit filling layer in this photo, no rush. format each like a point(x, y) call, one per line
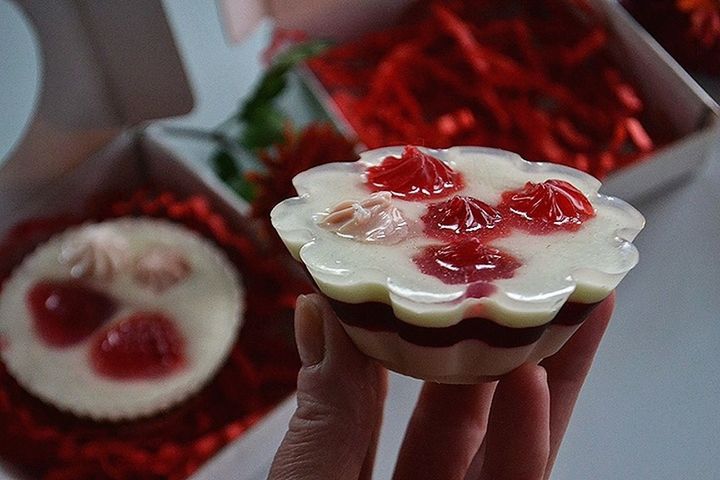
point(379, 317)
point(143, 345)
point(462, 215)
point(65, 313)
point(414, 175)
point(466, 261)
point(550, 205)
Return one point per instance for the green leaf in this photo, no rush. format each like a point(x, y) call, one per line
point(261, 123)
point(224, 165)
point(266, 128)
point(300, 52)
point(274, 81)
point(244, 188)
point(227, 170)
point(269, 88)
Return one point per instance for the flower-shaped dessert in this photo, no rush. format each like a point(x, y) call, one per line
point(160, 268)
point(373, 219)
point(500, 260)
point(95, 253)
point(125, 345)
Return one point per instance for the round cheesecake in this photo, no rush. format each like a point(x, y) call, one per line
point(120, 319)
point(458, 265)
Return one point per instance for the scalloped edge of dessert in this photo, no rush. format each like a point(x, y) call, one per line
point(584, 285)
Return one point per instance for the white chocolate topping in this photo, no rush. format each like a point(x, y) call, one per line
point(582, 266)
point(161, 268)
point(374, 219)
point(95, 253)
point(206, 307)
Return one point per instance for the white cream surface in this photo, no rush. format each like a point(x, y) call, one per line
point(206, 307)
point(582, 266)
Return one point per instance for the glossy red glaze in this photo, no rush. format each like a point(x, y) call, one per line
point(65, 312)
point(379, 317)
point(143, 345)
point(479, 290)
point(466, 261)
point(548, 206)
point(462, 215)
point(414, 176)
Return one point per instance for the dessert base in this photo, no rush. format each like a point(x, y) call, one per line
point(475, 350)
point(466, 362)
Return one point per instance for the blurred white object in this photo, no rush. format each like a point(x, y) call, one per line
point(22, 68)
point(98, 70)
point(97, 253)
point(240, 17)
point(336, 19)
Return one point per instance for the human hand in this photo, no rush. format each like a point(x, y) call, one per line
point(509, 429)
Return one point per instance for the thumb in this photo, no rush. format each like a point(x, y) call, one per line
point(340, 399)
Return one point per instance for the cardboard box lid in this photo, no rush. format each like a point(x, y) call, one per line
point(105, 65)
point(335, 19)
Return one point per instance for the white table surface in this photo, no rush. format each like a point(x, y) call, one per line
point(651, 406)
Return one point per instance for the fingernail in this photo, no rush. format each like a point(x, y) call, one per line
point(309, 333)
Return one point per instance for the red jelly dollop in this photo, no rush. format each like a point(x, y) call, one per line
point(65, 313)
point(462, 215)
point(550, 204)
point(466, 261)
point(414, 175)
point(143, 345)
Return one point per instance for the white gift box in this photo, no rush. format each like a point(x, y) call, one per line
point(107, 70)
point(671, 95)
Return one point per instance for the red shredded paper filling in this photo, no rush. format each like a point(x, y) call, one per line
point(261, 370)
point(535, 78)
